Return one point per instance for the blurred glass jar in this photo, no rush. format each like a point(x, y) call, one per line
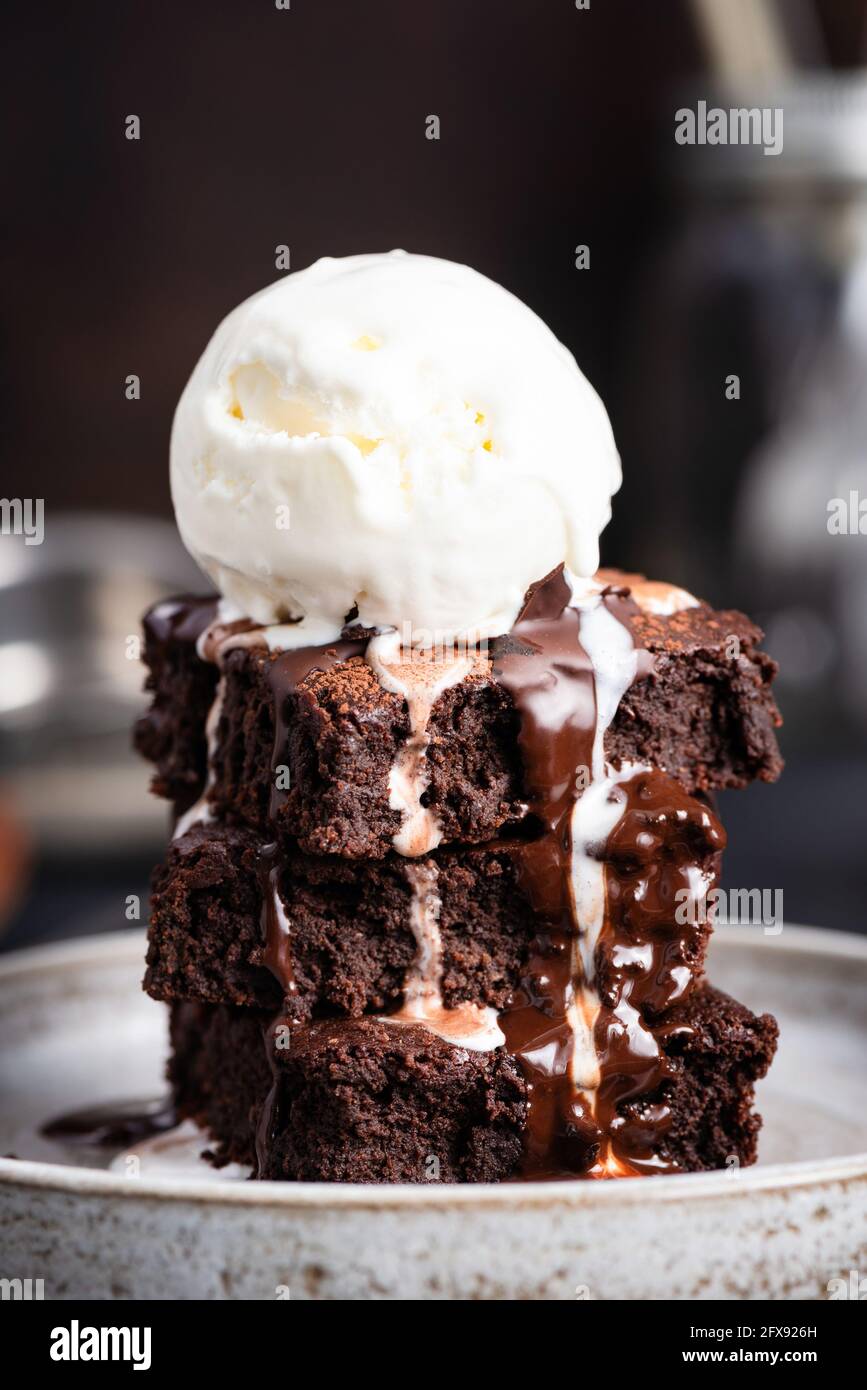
point(745, 397)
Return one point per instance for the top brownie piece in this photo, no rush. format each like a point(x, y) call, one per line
point(705, 714)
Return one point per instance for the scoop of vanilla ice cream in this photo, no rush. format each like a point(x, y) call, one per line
point(392, 433)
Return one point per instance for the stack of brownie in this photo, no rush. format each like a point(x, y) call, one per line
point(439, 915)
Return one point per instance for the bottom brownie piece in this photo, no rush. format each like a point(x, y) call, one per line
point(355, 1100)
point(360, 1100)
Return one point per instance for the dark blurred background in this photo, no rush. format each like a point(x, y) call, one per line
point(306, 127)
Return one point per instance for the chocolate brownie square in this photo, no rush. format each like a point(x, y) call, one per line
point(703, 711)
point(372, 1101)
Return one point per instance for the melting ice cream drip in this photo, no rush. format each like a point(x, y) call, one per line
point(595, 816)
point(468, 1025)
point(422, 985)
point(614, 660)
point(653, 596)
point(420, 680)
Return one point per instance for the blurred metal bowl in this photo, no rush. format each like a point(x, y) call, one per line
point(71, 677)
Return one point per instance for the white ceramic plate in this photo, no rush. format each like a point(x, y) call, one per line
point(75, 1030)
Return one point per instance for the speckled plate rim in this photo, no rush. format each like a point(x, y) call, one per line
point(118, 948)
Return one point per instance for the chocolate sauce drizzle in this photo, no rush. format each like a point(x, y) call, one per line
point(550, 679)
point(181, 619)
point(662, 841)
point(663, 855)
point(118, 1125)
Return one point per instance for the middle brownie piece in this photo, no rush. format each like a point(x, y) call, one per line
point(352, 942)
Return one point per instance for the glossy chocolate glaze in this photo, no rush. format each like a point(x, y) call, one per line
point(277, 1035)
point(665, 843)
point(663, 840)
point(179, 619)
point(275, 926)
point(550, 678)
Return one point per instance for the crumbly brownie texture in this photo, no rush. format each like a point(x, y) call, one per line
point(351, 941)
point(364, 1101)
point(705, 714)
point(723, 1050)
